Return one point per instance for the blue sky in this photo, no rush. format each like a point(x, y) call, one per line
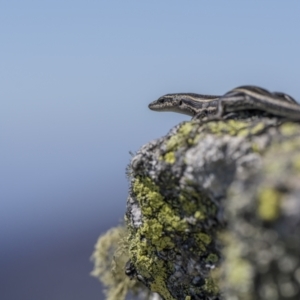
point(77, 76)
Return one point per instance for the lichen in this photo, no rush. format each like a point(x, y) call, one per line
point(204, 178)
point(258, 128)
point(162, 223)
point(211, 287)
point(194, 203)
point(169, 157)
point(269, 204)
point(160, 217)
point(289, 129)
point(148, 195)
point(296, 162)
point(181, 137)
point(212, 258)
point(109, 257)
point(237, 271)
point(231, 127)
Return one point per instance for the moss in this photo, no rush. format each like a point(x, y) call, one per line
point(269, 204)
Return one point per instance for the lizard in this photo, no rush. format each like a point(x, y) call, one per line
point(241, 98)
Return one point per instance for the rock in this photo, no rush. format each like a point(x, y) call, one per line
point(214, 211)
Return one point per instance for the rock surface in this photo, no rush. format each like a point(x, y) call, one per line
point(214, 212)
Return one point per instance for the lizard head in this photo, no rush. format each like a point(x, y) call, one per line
point(179, 103)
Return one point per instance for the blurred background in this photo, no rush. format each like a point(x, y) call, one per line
point(75, 81)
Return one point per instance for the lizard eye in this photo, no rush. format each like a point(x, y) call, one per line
point(162, 100)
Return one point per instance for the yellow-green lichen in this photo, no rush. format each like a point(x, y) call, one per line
point(169, 157)
point(148, 195)
point(151, 236)
point(155, 269)
point(240, 274)
point(162, 222)
point(171, 221)
point(109, 257)
point(238, 125)
point(235, 128)
point(289, 128)
point(231, 127)
point(159, 287)
point(152, 269)
point(237, 272)
point(186, 128)
point(187, 203)
point(193, 203)
point(181, 137)
point(203, 238)
point(217, 127)
point(199, 216)
point(290, 145)
point(212, 258)
point(259, 127)
point(272, 165)
point(269, 204)
point(255, 147)
point(244, 132)
point(296, 162)
point(211, 287)
point(160, 216)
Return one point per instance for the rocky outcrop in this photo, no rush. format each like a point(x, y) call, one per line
point(214, 212)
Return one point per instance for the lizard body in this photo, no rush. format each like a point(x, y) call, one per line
point(241, 98)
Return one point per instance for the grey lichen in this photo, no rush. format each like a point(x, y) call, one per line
point(213, 211)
